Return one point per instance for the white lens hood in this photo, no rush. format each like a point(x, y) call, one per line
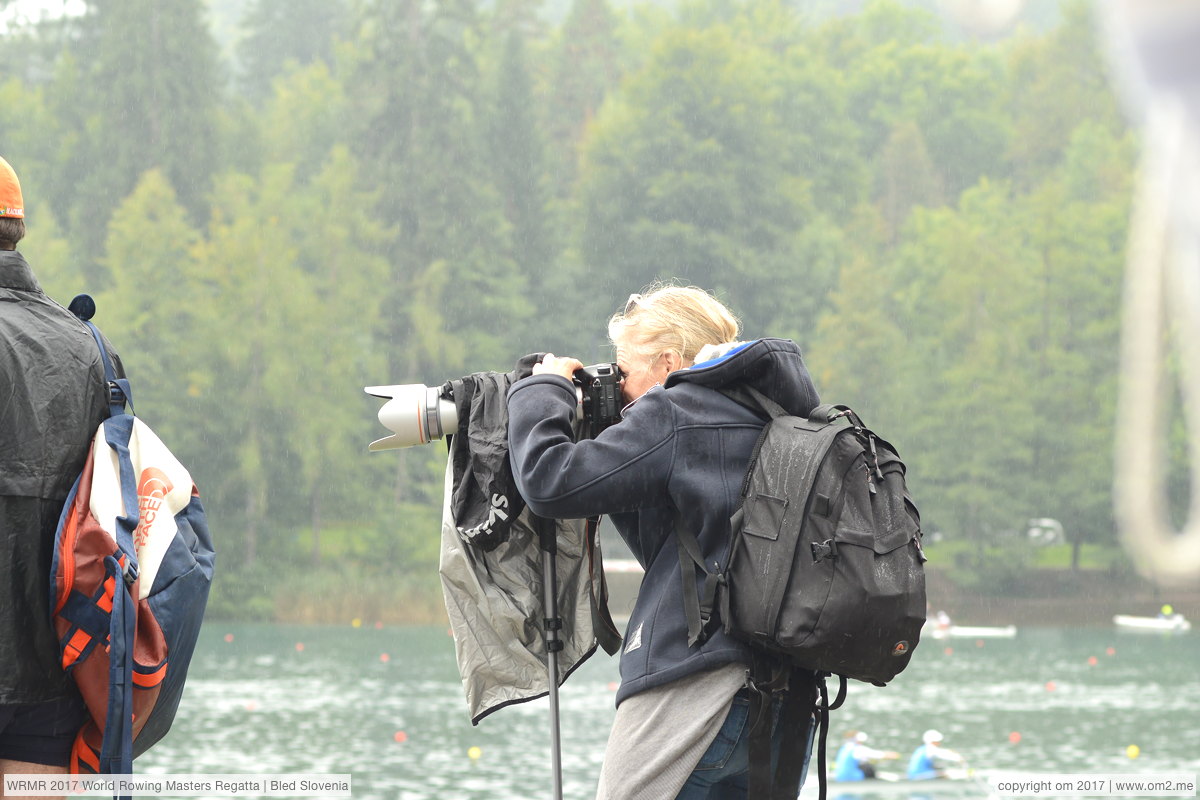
point(415, 413)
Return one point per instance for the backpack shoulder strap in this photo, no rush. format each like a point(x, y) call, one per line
point(753, 399)
point(697, 609)
point(119, 394)
point(116, 751)
point(701, 621)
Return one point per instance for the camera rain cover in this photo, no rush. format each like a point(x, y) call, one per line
point(485, 499)
point(491, 565)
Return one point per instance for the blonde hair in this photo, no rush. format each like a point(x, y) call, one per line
point(666, 318)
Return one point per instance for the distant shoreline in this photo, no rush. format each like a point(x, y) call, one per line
point(1060, 597)
point(1053, 597)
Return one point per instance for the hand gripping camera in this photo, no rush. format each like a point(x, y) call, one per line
point(418, 414)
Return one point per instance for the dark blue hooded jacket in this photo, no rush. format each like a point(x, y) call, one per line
point(680, 449)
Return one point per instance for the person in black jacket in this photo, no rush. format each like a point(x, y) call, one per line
point(679, 454)
point(52, 398)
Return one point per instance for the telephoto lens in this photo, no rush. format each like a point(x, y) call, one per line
point(416, 413)
point(419, 414)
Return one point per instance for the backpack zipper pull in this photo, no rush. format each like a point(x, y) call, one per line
point(875, 456)
point(870, 481)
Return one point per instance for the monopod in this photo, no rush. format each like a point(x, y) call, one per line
point(548, 543)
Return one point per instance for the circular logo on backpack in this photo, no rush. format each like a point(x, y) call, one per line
point(153, 488)
point(901, 648)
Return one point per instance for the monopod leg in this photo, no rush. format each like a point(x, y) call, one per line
point(547, 540)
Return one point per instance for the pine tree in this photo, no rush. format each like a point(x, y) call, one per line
point(416, 116)
point(585, 68)
point(279, 32)
point(153, 87)
point(518, 159)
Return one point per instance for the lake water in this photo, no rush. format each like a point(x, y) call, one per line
point(385, 705)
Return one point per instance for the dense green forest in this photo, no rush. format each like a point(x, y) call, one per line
point(346, 193)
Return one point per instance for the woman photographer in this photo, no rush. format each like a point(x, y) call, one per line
point(678, 456)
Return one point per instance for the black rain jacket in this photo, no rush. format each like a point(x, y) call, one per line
point(52, 398)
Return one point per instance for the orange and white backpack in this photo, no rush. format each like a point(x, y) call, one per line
point(129, 581)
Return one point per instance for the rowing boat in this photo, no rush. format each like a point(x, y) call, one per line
point(1172, 623)
point(959, 782)
point(974, 632)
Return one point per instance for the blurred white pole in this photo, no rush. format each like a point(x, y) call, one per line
point(1162, 284)
point(1161, 307)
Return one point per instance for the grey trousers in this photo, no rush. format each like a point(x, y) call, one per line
point(659, 735)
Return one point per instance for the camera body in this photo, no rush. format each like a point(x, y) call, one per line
point(599, 391)
point(418, 414)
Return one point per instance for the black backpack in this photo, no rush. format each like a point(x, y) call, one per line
point(825, 571)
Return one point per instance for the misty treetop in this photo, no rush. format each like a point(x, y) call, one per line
point(277, 203)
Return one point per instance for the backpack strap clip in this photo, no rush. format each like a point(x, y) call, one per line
point(768, 677)
point(116, 395)
point(129, 570)
point(824, 550)
point(830, 412)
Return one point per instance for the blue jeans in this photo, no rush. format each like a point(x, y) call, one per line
point(724, 768)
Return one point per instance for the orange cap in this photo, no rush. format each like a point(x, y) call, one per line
point(11, 204)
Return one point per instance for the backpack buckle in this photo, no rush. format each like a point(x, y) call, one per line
point(823, 550)
point(768, 676)
point(116, 395)
point(129, 571)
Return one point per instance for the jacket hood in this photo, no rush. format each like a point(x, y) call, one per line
point(774, 367)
